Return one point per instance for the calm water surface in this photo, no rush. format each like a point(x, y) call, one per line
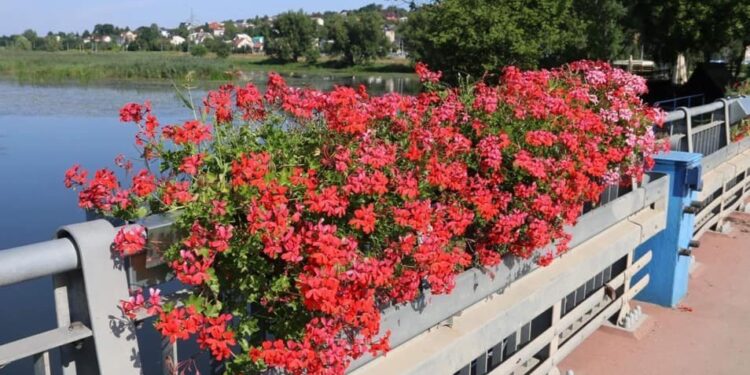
point(46, 129)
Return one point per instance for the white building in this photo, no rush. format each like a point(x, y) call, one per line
point(217, 29)
point(176, 40)
point(242, 42)
point(319, 21)
point(391, 36)
point(199, 37)
point(128, 37)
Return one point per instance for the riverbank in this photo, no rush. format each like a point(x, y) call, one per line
point(46, 67)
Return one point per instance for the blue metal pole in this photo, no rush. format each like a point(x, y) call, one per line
point(670, 265)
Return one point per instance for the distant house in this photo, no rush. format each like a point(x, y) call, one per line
point(200, 37)
point(319, 21)
point(164, 33)
point(390, 35)
point(242, 42)
point(177, 40)
point(258, 44)
point(403, 19)
point(216, 28)
point(127, 38)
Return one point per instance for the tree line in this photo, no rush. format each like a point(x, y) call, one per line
point(353, 37)
point(469, 37)
point(475, 36)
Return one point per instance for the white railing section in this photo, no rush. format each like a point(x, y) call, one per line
point(707, 130)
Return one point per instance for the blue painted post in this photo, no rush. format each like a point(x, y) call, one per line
point(671, 260)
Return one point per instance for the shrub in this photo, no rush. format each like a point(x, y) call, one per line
point(199, 50)
point(302, 212)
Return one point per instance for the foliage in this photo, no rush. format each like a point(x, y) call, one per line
point(302, 212)
point(21, 43)
point(471, 37)
point(292, 37)
point(358, 37)
point(219, 47)
point(703, 26)
point(198, 50)
point(604, 29)
point(149, 39)
point(740, 131)
point(36, 67)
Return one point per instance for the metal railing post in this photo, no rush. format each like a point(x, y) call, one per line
point(688, 127)
point(727, 129)
point(100, 285)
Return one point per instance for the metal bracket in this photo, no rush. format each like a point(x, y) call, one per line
point(105, 285)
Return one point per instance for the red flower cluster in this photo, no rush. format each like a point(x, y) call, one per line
point(332, 205)
point(130, 240)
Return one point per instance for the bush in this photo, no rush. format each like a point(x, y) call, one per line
point(313, 209)
point(222, 50)
point(199, 50)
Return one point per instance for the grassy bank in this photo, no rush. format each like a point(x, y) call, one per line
point(102, 66)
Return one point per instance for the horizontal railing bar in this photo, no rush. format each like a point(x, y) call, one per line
point(42, 342)
point(597, 321)
point(703, 109)
point(708, 126)
point(36, 260)
point(674, 116)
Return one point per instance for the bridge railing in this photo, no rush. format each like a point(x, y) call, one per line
point(682, 101)
point(708, 130)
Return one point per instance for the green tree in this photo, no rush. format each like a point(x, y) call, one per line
point(31, 36)
point(230, 30)
point(604, 30)
point(292, 37)
point(104, 29)
point(52, 42)
point(474, 36)
point(22, 43)
point(703, 28)
point(199, 50)
point(217, 46)
point(182, 30)
point(358, 38)
point(149, 38)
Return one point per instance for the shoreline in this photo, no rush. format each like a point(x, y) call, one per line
point(37, 67)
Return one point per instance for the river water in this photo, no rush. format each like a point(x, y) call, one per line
point(46, 129)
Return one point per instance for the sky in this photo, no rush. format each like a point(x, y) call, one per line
point(79, 15)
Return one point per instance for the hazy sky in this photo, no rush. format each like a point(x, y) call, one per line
point(78, 15)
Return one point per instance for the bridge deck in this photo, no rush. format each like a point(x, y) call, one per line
point(708, 333)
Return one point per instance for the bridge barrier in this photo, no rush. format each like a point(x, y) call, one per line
point(512, 318)
point(707, 130)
